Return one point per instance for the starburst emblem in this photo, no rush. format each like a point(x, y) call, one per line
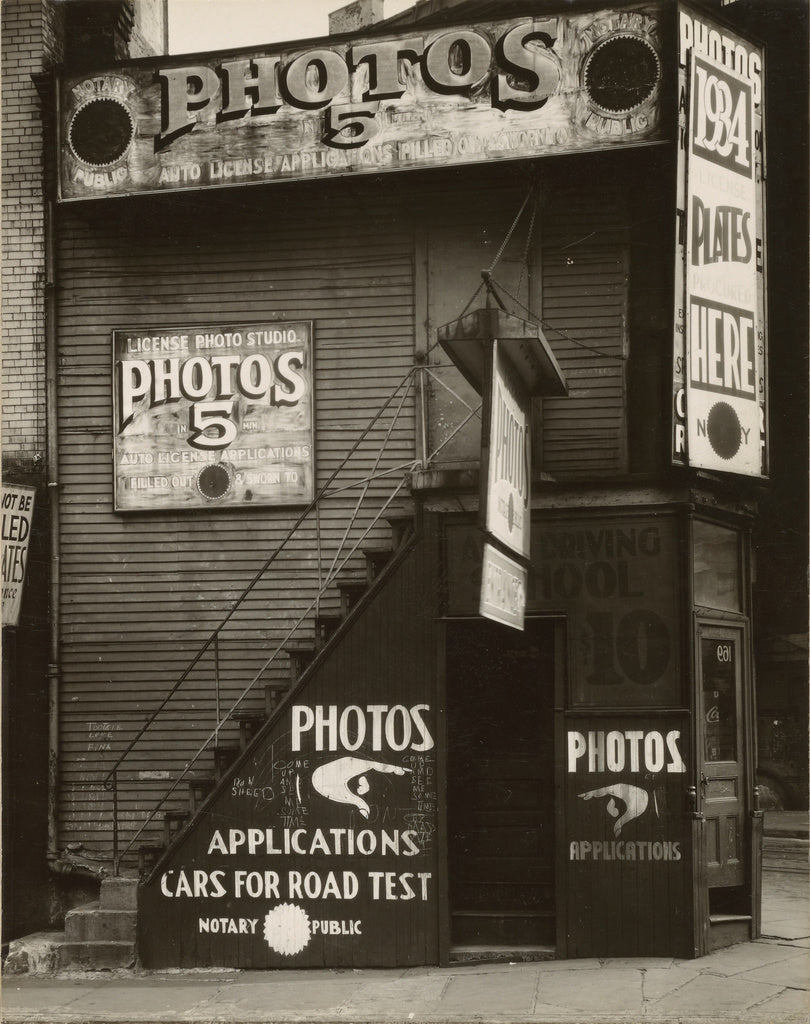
point(286, 929)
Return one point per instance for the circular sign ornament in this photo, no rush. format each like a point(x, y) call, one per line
point(620, 73)
point(724, 430)
point(101, 131)
point(215, 481)
point(287, 929)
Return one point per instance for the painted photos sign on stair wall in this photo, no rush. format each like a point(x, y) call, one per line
point(219, 415)
point(720, 365)
point(320, 849)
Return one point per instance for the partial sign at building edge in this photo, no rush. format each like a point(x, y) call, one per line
point(17, 519)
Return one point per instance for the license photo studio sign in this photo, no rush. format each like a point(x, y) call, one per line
point(499, 90)
point(219, 415)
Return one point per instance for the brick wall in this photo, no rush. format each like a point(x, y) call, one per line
point(149, 31)
point(30, 34)
point(32, 39)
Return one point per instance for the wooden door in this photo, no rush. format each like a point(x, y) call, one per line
point(501, 784)
point(722, 771)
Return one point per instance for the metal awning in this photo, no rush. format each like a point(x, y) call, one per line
point(467, 340)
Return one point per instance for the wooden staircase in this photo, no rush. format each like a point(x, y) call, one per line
point(102, 935)
point(351, 587)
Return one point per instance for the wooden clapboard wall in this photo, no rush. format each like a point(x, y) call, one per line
point(571, 273)
point(142, 591)
point(585, 290)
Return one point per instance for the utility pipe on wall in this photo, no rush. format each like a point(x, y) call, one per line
point(52, 459)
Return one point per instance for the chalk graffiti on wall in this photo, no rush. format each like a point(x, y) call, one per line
point(334, 822)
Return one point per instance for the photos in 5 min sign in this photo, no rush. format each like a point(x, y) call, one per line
point(213, 416)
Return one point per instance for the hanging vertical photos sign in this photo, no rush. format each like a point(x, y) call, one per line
point(719, 352)
point(506, 468)
point(506, 495)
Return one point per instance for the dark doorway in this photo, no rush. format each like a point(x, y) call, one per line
point(500, 763)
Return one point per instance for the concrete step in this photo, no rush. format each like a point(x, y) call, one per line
point(46, 953)
point(91, 924)
point(96, 956)
point(36, 954)
point(118, 894)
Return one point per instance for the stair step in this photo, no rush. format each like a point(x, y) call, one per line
point(728, 930)
point(118, 894)
point(173, 824)
point(301, 654)
point(36, 954)
point(487, 953)
point(352, 586)
point(325, 628)
point(249, 724)
point(96, 956)
point(402, 526)
point(199, 790)
point(377, 557)
point(273, 693)
point(148, 856)
point(224, 757)
point(91, 924)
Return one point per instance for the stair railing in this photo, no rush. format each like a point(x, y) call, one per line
point(403, 388)
point(212, 737)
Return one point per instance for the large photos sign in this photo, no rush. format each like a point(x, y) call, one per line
point(213, 416)
point(319, 852)
point(720, 359)
point(507, 89)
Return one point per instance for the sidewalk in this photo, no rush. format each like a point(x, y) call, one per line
point(764, 982)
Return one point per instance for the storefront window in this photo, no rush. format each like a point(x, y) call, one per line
point(717, 567)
